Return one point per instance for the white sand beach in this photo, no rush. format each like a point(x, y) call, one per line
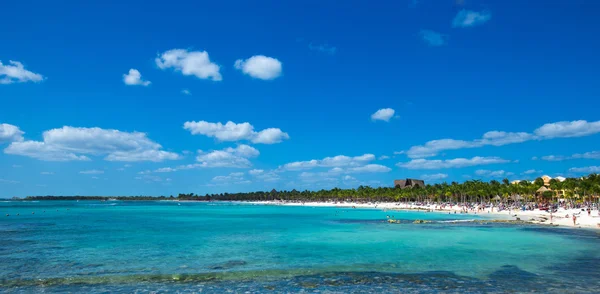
point(559, 218)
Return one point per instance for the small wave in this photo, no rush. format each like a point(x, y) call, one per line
point(458, 221)
point(111, 204)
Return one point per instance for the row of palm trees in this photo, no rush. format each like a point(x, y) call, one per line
point(572, 189)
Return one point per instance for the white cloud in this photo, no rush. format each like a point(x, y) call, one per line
point(554, 158)
point(494, 138)
point(498, 138)
point(231, 131)
point(493, 174)
point(146, 155)
point(434, 177)
point(587, 155)
point(532, 171)
point(10, 133)
point(43, 151)
point(229, 157)
point(186, 92)
point(336, 161)
point(47, 173)
point(308, 177)
point(260, 67)
point(196, 63)
point(450, 163)
point(270, 176)
point(15, 72)
point(70, 143)
point(369, 168)
point(433, 38)
point(567, 129)
point(383, 157)
point(165, 170)
point(322, 48)
point(232, 179)
point(384, 114)
point(270, 136)
point(587, 169)
point(468, 18)
point(134, 77)
point(255, 172)
point(91, 172)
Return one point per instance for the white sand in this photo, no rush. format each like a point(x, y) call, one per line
point(534, 216)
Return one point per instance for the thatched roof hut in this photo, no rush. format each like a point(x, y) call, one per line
point(542, 189)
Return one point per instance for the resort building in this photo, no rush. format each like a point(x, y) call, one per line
point(409, 183)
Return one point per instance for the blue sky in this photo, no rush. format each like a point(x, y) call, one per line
point(115, 98)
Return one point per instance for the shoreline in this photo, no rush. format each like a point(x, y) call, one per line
point(530, 216)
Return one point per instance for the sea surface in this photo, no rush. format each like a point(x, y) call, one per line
point(191, 247)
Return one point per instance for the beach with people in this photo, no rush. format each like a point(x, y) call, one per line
point(586, 216)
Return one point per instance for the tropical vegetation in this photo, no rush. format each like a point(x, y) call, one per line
point(571, 190)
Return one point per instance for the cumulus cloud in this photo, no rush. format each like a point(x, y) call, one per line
point(134, 77)
point(72, 143)
point(567, 129)
point(186, 92)
point(335, 161)
point(15, 72)
point(384, 114)
point(587, 169)
point(232, 178)
point(231, 131)
point(433, 38)
point(450, 163)
point(467, 18)
point(260, 67)
point(255, 172)
point(493, 174)
point(265, 176)
point(499, 138)
point(196, 63)
point(10, 133)
point(383, 157)
point(434, 177)
point(531, 171)
point(229, 157)
point(43, 151)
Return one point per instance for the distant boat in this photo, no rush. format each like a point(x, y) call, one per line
point(112, 199)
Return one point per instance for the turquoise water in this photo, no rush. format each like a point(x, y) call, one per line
point(91, 246)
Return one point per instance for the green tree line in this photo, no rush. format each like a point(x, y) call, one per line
point(572, 189)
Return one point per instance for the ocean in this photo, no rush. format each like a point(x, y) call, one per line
point(222, 247)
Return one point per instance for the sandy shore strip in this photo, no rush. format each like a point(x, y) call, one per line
point(534, 216)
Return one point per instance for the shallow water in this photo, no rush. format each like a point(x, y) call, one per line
point(91, 246)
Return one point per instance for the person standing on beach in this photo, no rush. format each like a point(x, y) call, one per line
point(574, 219)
